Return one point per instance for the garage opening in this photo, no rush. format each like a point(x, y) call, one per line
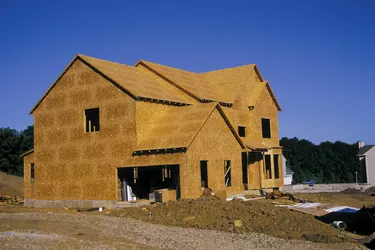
point(142, 182)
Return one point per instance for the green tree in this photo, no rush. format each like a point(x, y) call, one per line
point(12, 145)
point(326, 163)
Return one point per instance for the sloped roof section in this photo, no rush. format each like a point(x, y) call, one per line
point(362, 151)
point(136, 81)
point(259, 144)
point(288, 171)
point(132, 80)
point(178, 128)
point(227, 82)
point(190, 82)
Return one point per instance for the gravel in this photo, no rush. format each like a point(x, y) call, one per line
point(121, 233)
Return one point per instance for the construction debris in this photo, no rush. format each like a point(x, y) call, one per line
point(10, 200)
point(276, 194)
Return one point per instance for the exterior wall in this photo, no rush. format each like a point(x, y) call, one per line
point(256, 171)
point(72, 164)
point(370, 166)
point(214, 143)
point(27, 183)
point(146, 115)
point(244, 97)
point(265, 108)
point(288, 179)
point(240, 115)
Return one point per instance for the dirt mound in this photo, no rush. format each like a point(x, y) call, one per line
point(256, 216)
point(11, 185)
point(351, 191)
point(370, 189)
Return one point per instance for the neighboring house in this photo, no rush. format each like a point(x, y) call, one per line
point(288, 173)
point(103, 126)
point(366, 154)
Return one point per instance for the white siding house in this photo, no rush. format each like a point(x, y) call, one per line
point(288, 173)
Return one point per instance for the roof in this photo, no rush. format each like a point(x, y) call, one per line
point(227, 82)
point(362, 151)
point(259, 144)
point(132, 80)
point(178, 127)
point(256, 145)
point(191, 82)
point(156, 82)
point(27, 153)
point(288, 170)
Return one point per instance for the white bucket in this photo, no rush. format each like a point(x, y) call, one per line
point(100, 209)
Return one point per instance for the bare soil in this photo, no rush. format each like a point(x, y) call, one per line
point(84, 231)
point(256, 216)
point(348, 198)
point(11, 185)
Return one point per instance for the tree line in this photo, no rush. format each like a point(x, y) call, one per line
point(12, 144)
point(327, 162)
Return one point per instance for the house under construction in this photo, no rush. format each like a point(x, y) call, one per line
point(103, 126)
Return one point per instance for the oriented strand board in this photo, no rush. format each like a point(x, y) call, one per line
point(215, 143)
point(28, 186)
point(73, 165)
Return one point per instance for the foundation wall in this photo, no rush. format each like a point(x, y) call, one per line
point(69, 203)
point(215, 143)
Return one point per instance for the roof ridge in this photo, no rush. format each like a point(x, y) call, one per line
point(215, 70)
point(204, 122)
point(145, 62)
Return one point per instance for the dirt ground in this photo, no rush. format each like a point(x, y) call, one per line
point(256, 216)
point(352, 199)
point(11, 185)
point(89, 230)
point(174, 225)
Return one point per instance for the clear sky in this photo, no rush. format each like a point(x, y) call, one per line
point(319, 56)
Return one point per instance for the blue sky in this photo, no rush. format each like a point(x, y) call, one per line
point(319, 56)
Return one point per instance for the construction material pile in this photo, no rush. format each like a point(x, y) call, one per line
point(286, 196)
point(10, 199)
point(238, 216)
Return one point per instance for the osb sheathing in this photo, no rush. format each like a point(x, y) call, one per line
point(265, 108)
point(192, 82)
point(215, 143)
point(229, 82)
point(72, 164)
point(164, 84)
point(256, 171)
point(241, 115)
point(28, 185)
point(176, 128)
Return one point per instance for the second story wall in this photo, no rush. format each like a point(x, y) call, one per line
point(264, 108)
